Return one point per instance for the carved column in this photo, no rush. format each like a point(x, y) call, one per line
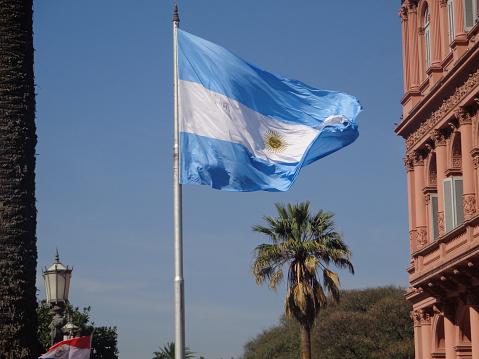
point(441, 167)
point(419, 202)
point(473, 303)
point(408, 162)
point(426, 334)
point(405, 46)
point(465, 127)
point(416, 317)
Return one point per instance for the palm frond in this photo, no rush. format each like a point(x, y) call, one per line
point(308, 243)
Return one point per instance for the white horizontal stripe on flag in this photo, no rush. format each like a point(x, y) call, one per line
point(210, 114)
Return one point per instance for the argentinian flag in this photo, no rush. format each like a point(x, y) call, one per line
point(245, 129)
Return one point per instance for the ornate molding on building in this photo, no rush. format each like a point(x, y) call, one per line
point(403, 14)
point(418, 158)
point(425, 317)
point(447, 105)
point(416, 317)
point(442, 3)
point(411, 6)
point(408, 162)
point(463, 116)
point(421, 236)
point(440, 223)
point(438, 137)
point(456, 155)
point(469, 201)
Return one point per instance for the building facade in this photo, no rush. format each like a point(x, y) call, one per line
point(440, 124)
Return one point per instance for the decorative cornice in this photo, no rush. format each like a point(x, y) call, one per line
point(447, 105)
point(442, 3)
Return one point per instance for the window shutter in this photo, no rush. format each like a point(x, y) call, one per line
point(468, 15)
point(450, 17)
point(459, 203)
point(434, 216)
point(448, 205)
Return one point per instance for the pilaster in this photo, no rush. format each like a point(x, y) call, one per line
point(460, 41)
point(409, 163)
point(435, 71)
point(449, 310)
point(465, 127)
point(416, 317)
point(441, 166)
point(413, 44)
point(473, 303)
point(420, 203)
point(426, 334)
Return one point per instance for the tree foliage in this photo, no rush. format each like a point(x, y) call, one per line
point(168, 352)
point(367, 324)
point(308, 245)
point(104, 341)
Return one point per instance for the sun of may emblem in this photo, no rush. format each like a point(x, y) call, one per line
point(274, 142)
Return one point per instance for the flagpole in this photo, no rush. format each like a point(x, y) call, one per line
point(179, 281)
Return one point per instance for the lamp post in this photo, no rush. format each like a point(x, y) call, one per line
point(57, 284)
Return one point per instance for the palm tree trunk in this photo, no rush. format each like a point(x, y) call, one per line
point(305, 341)
point(18, 251)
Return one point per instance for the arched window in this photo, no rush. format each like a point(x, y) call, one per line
point(427, 37)
point(470, 11)
point(450, 20)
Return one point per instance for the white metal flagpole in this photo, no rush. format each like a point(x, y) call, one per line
point(179, 281)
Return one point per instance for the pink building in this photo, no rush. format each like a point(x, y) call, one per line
point(440, 124)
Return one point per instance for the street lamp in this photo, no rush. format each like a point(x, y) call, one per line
point(57, 284)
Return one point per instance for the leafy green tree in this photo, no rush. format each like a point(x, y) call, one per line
point(307, 244)
point(168, 352)
point(370, 323)
point(104, 341)
point(18, 216)
point(373, 323)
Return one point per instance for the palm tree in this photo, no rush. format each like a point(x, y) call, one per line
point(307, 244)
point(168, 352)
point(18, 251)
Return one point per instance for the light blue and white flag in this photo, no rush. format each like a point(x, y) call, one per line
point(245, 129)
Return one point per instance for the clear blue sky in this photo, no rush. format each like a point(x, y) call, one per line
point(104, 78)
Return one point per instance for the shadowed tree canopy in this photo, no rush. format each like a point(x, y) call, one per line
point(18, 251)
point(372, 323)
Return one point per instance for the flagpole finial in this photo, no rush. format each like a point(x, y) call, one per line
point(176, 18)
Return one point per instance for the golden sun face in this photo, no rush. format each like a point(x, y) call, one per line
point(274, 142)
